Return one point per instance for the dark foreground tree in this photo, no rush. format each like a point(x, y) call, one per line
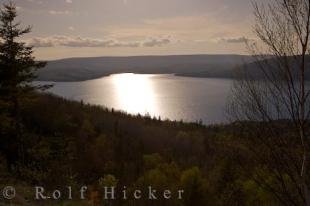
point(277, 100)
point(17, 71)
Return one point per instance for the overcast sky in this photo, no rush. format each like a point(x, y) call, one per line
point(66, 28)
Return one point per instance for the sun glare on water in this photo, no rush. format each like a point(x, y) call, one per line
point(135, 93)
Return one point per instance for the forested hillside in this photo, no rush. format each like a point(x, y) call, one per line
point(70, 143)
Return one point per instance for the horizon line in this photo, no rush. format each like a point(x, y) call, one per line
point(153, 55)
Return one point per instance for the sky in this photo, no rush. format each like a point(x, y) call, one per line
point(82, 28)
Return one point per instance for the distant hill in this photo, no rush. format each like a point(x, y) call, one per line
point(79, 69)
point(213, 66)
point(254, 70)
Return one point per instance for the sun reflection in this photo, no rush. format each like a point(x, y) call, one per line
point(135, 93)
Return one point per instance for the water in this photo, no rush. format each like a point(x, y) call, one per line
point(168, 96)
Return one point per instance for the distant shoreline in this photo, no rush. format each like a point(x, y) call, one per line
point(107, 75)
point(198, 66)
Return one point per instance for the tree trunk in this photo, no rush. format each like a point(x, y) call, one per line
point(304, 171)
point(18, 132)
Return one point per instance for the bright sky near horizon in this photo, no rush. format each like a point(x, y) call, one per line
point(67, 28)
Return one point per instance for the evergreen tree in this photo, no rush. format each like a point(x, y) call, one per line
point(17, 71)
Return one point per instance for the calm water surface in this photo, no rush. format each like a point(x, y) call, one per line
point(167, 96)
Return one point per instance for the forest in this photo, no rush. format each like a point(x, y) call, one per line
point(72, 143)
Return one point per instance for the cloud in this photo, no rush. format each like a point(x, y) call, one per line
point(75, 41)
point(40, 42)
point(69, 1)
point(71, 28)
point(35, 1)
point(54, 12)
point(156, 42)
point(235, 40)
point(205, 27)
